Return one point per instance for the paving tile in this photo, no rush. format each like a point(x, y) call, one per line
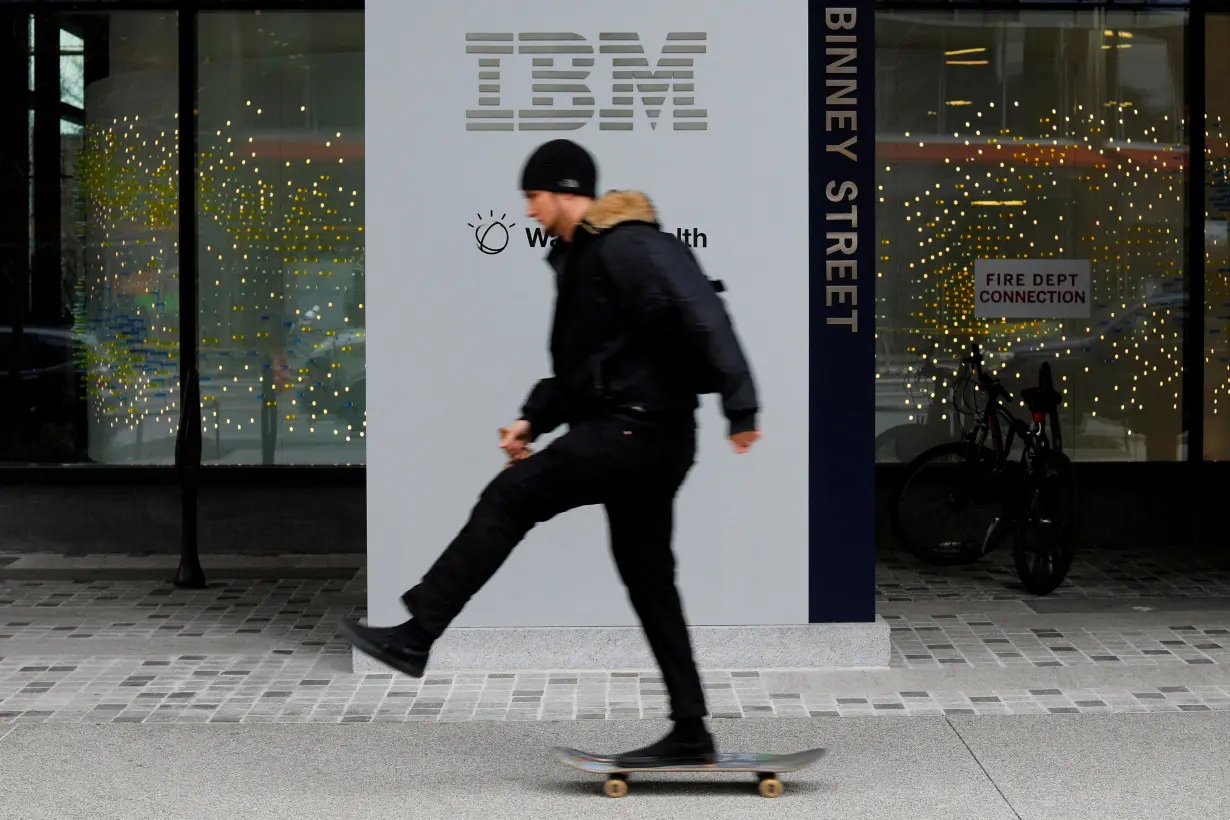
point(297, 616)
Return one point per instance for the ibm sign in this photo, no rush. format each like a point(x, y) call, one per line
point(563, 99)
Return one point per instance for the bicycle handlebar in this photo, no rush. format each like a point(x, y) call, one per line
point(987, 383)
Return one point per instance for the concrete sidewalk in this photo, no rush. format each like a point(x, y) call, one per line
point(1065, 767)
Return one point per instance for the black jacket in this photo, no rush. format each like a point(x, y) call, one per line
point(638, 327)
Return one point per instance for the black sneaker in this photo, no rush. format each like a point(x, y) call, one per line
point(672, 750)
point(386, 644)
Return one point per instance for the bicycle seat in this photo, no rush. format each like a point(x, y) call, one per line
point(1040, 400)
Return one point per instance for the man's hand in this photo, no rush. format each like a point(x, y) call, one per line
point(514, 440)
point(742, 442)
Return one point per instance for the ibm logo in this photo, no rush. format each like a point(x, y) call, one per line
point(563, 100)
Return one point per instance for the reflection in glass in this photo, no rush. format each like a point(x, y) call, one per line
point(72, 69)
point(1032, 135)
point(1216, 245)
point(281, 238)
point(127, 303)
point(89, 356)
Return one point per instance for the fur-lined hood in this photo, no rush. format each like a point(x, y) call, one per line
point(616, 207)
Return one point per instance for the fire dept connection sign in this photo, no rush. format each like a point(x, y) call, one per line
point(1031, 288)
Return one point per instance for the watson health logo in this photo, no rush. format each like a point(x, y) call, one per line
point(563, 99)
point(493, 235)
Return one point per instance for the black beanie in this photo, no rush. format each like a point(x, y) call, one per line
point(560, 166)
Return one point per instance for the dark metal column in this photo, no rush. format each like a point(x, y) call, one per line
point(188, 436)
point(1194, 264)
point(46, 307)
point(14, 222)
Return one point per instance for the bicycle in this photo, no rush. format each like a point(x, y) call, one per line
point(1029, 503)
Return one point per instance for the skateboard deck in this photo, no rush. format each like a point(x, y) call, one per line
point(765, 766)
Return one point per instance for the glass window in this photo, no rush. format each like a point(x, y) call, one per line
point(91, 365)
point(1216, 242)
point(280, 216)
point(72, 69)
point(1032, 135)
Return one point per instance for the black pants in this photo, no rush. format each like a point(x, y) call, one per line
point(634, 470)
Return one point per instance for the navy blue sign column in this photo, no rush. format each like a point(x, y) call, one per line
point(842, 271)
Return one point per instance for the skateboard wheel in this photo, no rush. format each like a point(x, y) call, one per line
point(615, 787)
point(771, 787)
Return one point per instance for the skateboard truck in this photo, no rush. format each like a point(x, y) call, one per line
point(616, 785)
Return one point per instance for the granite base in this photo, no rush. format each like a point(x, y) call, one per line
point(801, 646)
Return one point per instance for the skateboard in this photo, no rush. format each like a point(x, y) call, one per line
point(764, 766)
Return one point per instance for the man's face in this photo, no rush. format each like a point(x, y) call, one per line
point(544, 206)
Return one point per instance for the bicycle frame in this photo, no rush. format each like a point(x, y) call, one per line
point(990, 421)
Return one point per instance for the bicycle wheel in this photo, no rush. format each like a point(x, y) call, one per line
point(944, 510)
point(1043, 532)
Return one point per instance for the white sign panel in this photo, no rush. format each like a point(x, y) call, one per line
point(1032, 288)
point(707, 115)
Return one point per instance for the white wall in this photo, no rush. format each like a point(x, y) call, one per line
point(456, 338)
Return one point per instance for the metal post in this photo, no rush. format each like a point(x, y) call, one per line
point(14, 224)
point(188, 436)
point(1193, 279)
point(46, 267)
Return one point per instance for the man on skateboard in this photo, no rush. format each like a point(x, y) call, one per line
point(638, 333)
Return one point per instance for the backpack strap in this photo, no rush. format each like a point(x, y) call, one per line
point(718, 285)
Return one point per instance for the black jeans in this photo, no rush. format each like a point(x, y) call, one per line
point(634, 469)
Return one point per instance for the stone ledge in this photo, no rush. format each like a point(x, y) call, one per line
point(803, 646)
point(161, 567)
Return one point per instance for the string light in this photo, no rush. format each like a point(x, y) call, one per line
point(1217, 274)
point(128, 301)
point(995, 195)
point(265, 246)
